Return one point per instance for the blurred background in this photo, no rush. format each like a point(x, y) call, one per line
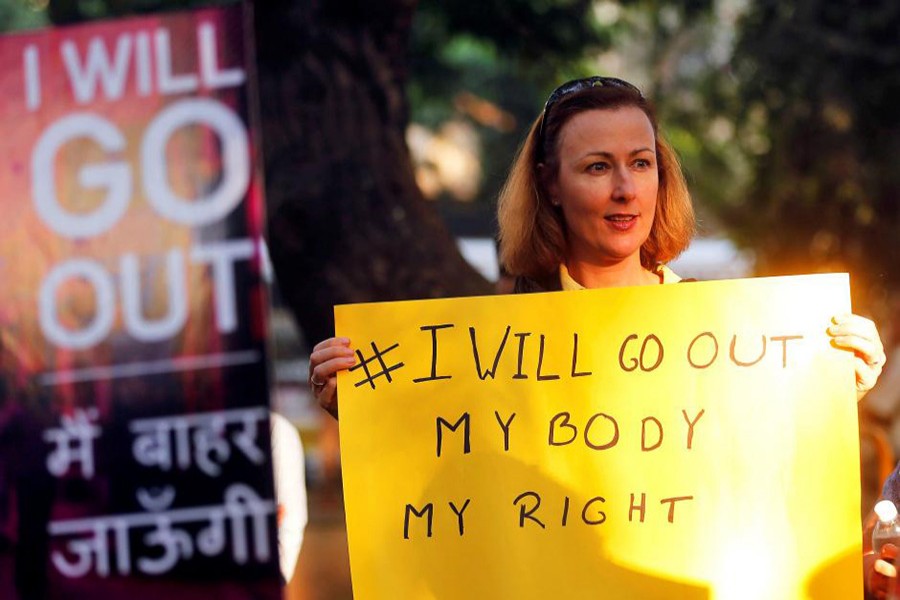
point(388, 128)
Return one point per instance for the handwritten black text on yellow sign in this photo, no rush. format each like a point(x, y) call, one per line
point(580, 437)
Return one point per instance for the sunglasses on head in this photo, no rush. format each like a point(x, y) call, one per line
point(578, 85)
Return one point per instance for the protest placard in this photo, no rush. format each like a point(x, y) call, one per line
point(696, 440)
point(134, 439)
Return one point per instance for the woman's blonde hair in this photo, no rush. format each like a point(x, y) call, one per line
point(532, 230)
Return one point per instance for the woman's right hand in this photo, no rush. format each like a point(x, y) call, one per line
point(327, 358)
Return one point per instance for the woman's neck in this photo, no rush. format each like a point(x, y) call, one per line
point(618, 274)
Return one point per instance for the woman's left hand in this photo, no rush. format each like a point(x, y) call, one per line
point(859, 335)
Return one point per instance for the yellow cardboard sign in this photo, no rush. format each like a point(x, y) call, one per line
point(692, 441)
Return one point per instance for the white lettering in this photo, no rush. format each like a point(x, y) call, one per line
point(104, 304)
point(235, 162)
point(165, 80)
point(222, 256)
point(212, 77)
point(32, 77)
point(97, 68)
point(114, 176)
point(142, 64)
point(170, 324)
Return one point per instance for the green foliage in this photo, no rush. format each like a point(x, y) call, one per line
point(822, 78)
point(533, 30)
point(788, 139)
point(679, 51)
point(21, 14)
point(511, 53)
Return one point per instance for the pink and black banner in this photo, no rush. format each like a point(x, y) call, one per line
point(134, 428)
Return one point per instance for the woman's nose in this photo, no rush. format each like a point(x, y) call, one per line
point(624, 188)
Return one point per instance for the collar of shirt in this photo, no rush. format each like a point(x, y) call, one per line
point(666, 275)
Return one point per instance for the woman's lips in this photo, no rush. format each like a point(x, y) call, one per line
point(621, 222)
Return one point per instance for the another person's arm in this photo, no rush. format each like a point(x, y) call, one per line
point(290, 492)
point(879, 572)
point(327, 358)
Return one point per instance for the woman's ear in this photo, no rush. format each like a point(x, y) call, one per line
point(548, 183)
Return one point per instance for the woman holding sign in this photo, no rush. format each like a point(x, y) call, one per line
point(596, 198)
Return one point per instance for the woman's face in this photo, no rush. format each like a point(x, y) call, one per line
point(606, 184)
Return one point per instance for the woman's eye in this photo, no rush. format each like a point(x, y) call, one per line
point(642, 163)
point(598, 167)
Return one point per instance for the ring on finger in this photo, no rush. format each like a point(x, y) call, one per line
point(315, 383)
point(875, 362)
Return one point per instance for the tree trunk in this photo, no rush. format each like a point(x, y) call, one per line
point(347, 222)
